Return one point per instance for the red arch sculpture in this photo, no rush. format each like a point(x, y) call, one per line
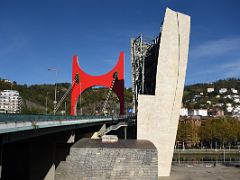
point(86, 81)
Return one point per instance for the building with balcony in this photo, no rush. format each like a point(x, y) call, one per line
point(222, 90)
point(10, 101)
point(183, 112)
point(209, 90)
point(198, 112)
point(234, 91)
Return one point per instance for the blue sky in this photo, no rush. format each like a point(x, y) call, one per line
point(37, 35)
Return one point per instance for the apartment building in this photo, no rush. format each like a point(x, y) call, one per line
point(10, 101)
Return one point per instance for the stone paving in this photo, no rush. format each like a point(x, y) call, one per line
point(206, 172)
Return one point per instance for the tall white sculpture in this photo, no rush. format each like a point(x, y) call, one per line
point(158, 114)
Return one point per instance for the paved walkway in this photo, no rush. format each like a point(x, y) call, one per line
point(200, 172)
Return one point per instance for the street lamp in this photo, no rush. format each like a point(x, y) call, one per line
point(55, 98)
point(46, 103)
point(80, 97)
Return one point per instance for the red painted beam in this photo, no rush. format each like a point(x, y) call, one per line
point(86, 81)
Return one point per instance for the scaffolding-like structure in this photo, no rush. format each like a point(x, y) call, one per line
point(144, 56)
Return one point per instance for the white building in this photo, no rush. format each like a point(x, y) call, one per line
point(234, 91)
point(198, 112)
point(209, 102)
point(222, 90)
point(236, 100)
point(209, 90)
point(196, 97)
point(6, 80)
point(229, 109)
point(183, 112)
point(10, 101)
point(236, 111)
point(229, 105)
point(219, 105)
point(228, 96)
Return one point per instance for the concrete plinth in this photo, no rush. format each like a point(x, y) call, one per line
point(158, 115)
point(125, 159)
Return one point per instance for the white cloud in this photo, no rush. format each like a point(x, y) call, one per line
point(232, 64)
point(231, 68)
point(227, 69)
point(215, 48)
point(215, 59)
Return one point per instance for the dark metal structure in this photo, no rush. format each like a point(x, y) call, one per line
point(144, 59)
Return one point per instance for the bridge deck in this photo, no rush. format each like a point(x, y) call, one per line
point(14, 123)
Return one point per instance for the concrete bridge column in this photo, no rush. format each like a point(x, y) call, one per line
point(1, 152)
point(41, 161)
point(15, 161)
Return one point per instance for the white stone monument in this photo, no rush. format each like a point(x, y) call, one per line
point(158, 115)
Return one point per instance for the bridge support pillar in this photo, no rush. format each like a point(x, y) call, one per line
point(125, 132)
point(124, 159)
point(1, 152)
point(41, 161)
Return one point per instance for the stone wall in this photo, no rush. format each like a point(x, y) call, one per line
point(125, 159)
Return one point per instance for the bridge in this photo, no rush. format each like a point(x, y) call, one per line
point(44, 141)
point(36, 125)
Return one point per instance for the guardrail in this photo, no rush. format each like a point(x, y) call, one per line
point(206, 163)
point(27, 117)
point(205, 151)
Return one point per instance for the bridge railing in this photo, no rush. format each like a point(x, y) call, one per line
point(24, 117)
point(29, 117)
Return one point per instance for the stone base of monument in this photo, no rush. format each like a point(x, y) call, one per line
point(122, 159)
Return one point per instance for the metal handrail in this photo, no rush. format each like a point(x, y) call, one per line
point(10, 117)
point(39, 117)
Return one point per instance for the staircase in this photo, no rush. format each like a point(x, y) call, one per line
point(114, 127)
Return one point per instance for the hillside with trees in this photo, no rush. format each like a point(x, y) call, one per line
point(35, 97)
point(196, 95)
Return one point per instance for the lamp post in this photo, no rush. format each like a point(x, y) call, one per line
point(65, 108)
point(46, 103)
point(55, 94)
point(80, 99)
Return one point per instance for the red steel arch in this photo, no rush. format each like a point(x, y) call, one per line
point(86, 81)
